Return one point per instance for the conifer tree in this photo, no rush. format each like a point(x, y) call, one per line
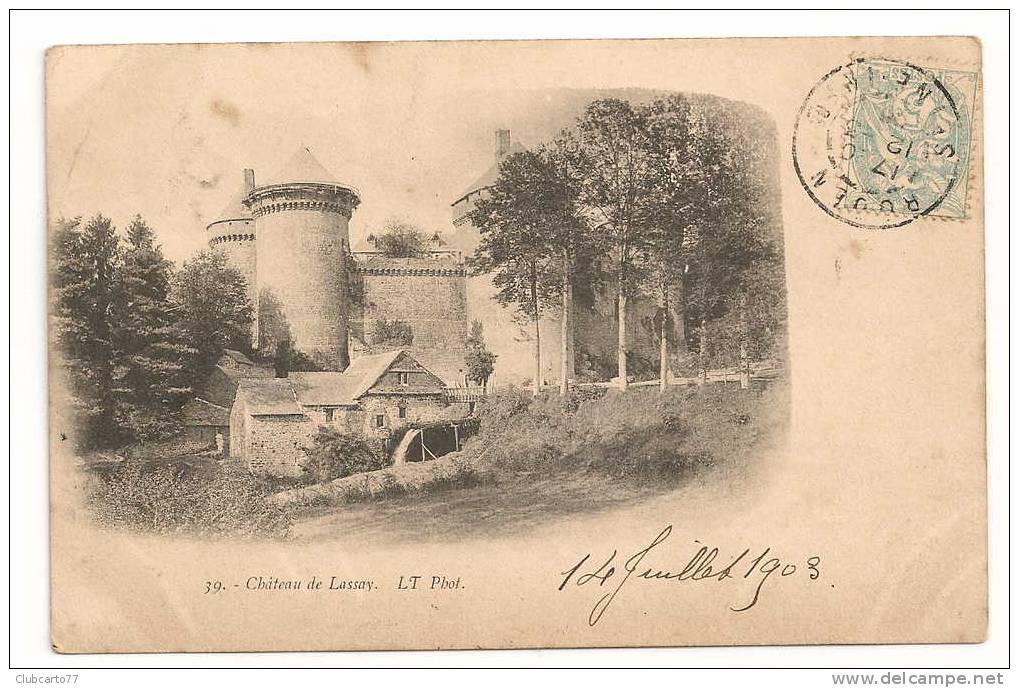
point(479, 360)
point(85, 258)
point(152, 356)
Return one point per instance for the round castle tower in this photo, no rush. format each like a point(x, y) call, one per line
point(302, 256)
point(233, 233)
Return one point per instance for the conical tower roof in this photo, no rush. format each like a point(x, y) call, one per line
point(302, 167)
point(235, 209)
point(491, 174)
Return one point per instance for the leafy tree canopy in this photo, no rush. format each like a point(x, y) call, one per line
point(215, 313)
point(400, 239)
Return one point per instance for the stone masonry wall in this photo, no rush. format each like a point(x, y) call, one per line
point(276, 444)
point(435, 307)
point(419, 409)
point(302, 263)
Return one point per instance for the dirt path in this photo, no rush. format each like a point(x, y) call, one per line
point(529, 503)
point(477, 512)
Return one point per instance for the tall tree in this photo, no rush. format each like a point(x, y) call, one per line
point(85, 259)
point(151, 354)
point(678, 183)
point(616, 195)
point(736, 235)
point(514, 244)
point(479, 360)
point(215, 313)
point(574, 249)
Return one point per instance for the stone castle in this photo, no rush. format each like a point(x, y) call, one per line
point(289, 237)
point(387, 335)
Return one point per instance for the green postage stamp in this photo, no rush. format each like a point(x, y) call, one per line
point(879, 143)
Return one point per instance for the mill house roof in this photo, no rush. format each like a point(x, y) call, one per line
point(288, 396)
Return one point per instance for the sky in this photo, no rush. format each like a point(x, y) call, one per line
point(165, 131)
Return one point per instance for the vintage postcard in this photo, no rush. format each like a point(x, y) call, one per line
point(374, 346)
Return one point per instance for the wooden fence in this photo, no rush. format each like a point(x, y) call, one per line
point(465, 394)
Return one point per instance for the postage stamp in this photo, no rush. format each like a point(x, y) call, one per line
point(879, 143)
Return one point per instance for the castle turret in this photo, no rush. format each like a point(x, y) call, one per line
point(463, 206)
point(302, 217)
point(233, 233)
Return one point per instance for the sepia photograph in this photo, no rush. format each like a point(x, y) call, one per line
point(600, 318)
point(389, 345)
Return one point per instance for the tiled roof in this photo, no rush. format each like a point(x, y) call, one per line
point(201, 412)
point(238, 357)
point(286, 396)
point(324, 389)
point(368, 369)
point(243, 372)
point(269, 397)
point(342, 389)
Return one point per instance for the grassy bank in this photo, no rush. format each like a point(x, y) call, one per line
point(640, 436)
point(531, 461)
point(537, 461)
point(174, 498)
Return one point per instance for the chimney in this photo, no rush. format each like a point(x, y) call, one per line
point(249, 180)
point(502, 143)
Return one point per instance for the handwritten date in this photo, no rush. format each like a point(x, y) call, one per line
point(704, 565)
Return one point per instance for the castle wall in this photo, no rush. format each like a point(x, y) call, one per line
point(511, 338)
point(431, 299)
point(597, 336)
point(302, 271)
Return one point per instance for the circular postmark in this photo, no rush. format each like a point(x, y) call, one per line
point(879, 143)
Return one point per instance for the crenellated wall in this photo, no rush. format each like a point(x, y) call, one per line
point(429, 294)
point(290, 241)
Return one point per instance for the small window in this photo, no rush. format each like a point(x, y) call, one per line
point(403, 412)
point(329, 415)
point(380, 421)
point(404, 378)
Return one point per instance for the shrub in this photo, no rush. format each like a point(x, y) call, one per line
point(461, 475)
point(379, 487)
point(177, 446)
point(502, 405)
point(334, 454)
point(394, 332)
point(178, 499)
